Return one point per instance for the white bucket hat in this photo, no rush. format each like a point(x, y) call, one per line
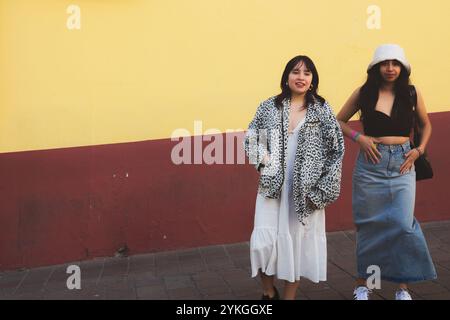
point(390, 52)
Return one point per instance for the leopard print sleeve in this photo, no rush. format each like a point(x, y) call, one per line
point(328, 186)
point(255, 141)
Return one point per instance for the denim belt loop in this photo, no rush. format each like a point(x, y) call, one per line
point(405, 146)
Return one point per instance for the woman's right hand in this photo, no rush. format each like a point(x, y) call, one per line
point(266, 159)
point(264, 163)
point(369, 148)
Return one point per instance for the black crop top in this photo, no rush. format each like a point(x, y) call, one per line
point(379, 124)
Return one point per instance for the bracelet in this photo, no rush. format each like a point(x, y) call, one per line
point(355, 135)
point(419, 151)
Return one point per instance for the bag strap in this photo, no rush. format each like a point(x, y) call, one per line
point(413, 100)
point(413, 97)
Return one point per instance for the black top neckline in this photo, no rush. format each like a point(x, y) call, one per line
point(383, 113)
point(379, 124)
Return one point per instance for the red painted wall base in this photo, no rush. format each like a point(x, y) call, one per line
point(78, 203)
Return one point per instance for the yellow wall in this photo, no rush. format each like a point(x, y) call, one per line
point(137, 69)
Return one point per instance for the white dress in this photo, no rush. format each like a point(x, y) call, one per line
point(280, 245)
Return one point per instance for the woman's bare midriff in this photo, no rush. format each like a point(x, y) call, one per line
point(392, 140)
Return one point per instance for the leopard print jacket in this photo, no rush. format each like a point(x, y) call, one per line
point(318, 160)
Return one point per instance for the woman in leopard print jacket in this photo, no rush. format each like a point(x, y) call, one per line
point(296, 144)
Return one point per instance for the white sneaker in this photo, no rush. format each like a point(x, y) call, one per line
point(361, 293)
point(402, 294)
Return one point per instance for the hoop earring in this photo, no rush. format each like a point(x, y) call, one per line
point(311, 88)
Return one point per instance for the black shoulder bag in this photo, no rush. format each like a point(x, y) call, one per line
point(423, 167)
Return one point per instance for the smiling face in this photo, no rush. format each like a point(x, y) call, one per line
point(390, 70)
point(300, 79)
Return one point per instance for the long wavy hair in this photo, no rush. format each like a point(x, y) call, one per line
point(311, 95)
point(369, 92)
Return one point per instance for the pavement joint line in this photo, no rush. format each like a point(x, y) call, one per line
point(227, 285)
point(346, 236)
point(442, 266)
point(128, 269)
point(48, 279)
point(342, 269)
point(437, 282)
point(444, 249)
point(227, 253)
point(178, 264)
point(336, 291)
point(203, 260)
point(191, 277)
point(101, 272)
point(21, 281)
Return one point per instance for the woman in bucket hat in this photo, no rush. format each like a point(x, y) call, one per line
point(384, 177)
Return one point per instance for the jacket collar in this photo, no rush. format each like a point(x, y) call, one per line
point(312, 114)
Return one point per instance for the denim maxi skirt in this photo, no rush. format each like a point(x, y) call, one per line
point(388, 234)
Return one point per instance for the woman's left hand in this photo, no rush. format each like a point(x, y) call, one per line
point(410, 157)
point(310, 203)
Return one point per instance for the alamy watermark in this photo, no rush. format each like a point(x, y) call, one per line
point(215, 147)
point(190, 148)
point(374, 280)
point(374, 19)
point(74, 20)
point(74, 280)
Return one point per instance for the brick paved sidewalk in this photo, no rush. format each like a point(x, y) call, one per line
point(219, 272)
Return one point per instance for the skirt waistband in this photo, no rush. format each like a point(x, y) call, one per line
point(394, 147)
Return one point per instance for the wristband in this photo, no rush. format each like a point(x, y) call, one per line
point(355, 135)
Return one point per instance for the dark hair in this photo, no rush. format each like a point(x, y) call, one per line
point(311, 95)
point(368, 94)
